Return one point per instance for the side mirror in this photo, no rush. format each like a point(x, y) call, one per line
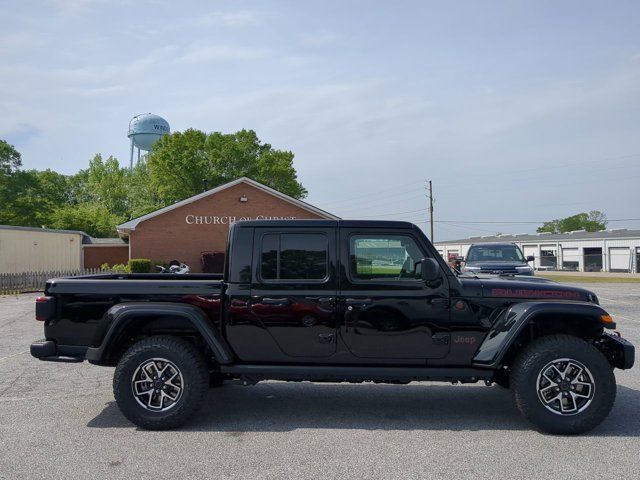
point(430, 269)
point(531, 258)
point(459, 259)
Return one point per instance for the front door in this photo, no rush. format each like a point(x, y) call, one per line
point(387, 310)
point(293, 294)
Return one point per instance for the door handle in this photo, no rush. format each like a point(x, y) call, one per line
point(275, 301)
point(326, 337)
point(358, 302)
point(329, 300)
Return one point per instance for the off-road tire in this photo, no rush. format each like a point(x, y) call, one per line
point(524, 381)
point(501, 378)
point(216, 380)
point(192, 368)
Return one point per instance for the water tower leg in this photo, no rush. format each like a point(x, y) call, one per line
point(138, 155)
point(131, 156)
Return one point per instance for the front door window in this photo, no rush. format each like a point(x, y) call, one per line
point(384, 258)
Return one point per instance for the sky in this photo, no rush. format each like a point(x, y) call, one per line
point(517, 111)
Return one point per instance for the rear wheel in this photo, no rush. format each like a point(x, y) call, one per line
point(501, 378)
point(160, 382)
point(563, 385)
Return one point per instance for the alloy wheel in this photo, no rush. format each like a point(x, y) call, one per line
point(157, 384)
point(565, 386)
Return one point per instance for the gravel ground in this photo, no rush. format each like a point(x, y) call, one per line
point(60, 421)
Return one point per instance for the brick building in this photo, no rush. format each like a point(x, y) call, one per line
point(200, 224)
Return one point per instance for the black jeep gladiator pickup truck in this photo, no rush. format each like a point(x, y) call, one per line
point(336, 301)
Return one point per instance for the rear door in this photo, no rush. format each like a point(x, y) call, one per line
point(293, 294)
point(388, 311)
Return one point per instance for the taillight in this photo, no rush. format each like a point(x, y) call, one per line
point(45, 308)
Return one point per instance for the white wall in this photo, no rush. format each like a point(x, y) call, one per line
point(32, 251)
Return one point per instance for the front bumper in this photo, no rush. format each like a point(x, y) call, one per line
point(49, 351)
point(620, 352)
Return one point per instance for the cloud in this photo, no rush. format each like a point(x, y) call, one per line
point(213, 53)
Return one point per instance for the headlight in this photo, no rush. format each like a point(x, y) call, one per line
point(526, 269)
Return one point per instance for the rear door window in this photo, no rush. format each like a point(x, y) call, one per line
point(294, 256)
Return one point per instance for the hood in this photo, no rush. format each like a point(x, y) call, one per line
point(496, 263)
point(525, 288)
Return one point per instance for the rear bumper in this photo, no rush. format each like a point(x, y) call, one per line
point(621, 352)
point(49, 351)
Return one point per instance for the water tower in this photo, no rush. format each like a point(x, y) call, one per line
point(144, 131)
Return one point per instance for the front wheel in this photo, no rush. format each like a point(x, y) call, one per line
point(563, 385)
point(160, 382)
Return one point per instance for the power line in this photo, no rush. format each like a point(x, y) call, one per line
point(392, 214)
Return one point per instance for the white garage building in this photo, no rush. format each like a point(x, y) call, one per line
point(607, 250)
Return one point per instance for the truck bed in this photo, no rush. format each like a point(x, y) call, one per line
point(131, 284)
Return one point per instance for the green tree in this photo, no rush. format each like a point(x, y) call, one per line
point(105, 194)
point(28, 197)
point(142, 197)
point(10, 182)
point(181, 161)
point(92, 218)
point(20, 203)
point(10, 158)
point(107, 184)
point(591, 222)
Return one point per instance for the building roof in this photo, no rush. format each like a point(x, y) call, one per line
point(132, 224)
point(618, 233)
point(117, 242)
point(46, 230)
point(86, 239)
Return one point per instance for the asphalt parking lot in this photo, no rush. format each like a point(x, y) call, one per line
point(60, 421)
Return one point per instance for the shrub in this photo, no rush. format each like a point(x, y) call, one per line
point(140, 265)
point(121, 268)
point(105, 267)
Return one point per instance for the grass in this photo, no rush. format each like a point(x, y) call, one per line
point(587, 279)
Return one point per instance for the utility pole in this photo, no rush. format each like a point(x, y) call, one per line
point(430, 196)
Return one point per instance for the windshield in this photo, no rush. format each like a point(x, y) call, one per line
point(510, 253)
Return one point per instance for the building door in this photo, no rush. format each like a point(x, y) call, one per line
point(293, 295)
point(619, 259)
point(570, 259)
point(593, 259)
point(387, 310)
point(548, 257)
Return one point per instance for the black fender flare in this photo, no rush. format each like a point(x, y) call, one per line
point(515, 318)
point(119, 316)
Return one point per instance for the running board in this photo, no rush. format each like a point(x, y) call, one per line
point(255, 373)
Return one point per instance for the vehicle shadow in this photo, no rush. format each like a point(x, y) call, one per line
point(282, 407)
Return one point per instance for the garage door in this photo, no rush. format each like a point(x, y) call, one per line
point(619, 259)
point(531, 250)
point(570, 258)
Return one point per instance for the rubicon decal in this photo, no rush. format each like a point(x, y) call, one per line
point(527, 293)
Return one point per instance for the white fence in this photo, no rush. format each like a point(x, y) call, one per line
point(12, 283)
